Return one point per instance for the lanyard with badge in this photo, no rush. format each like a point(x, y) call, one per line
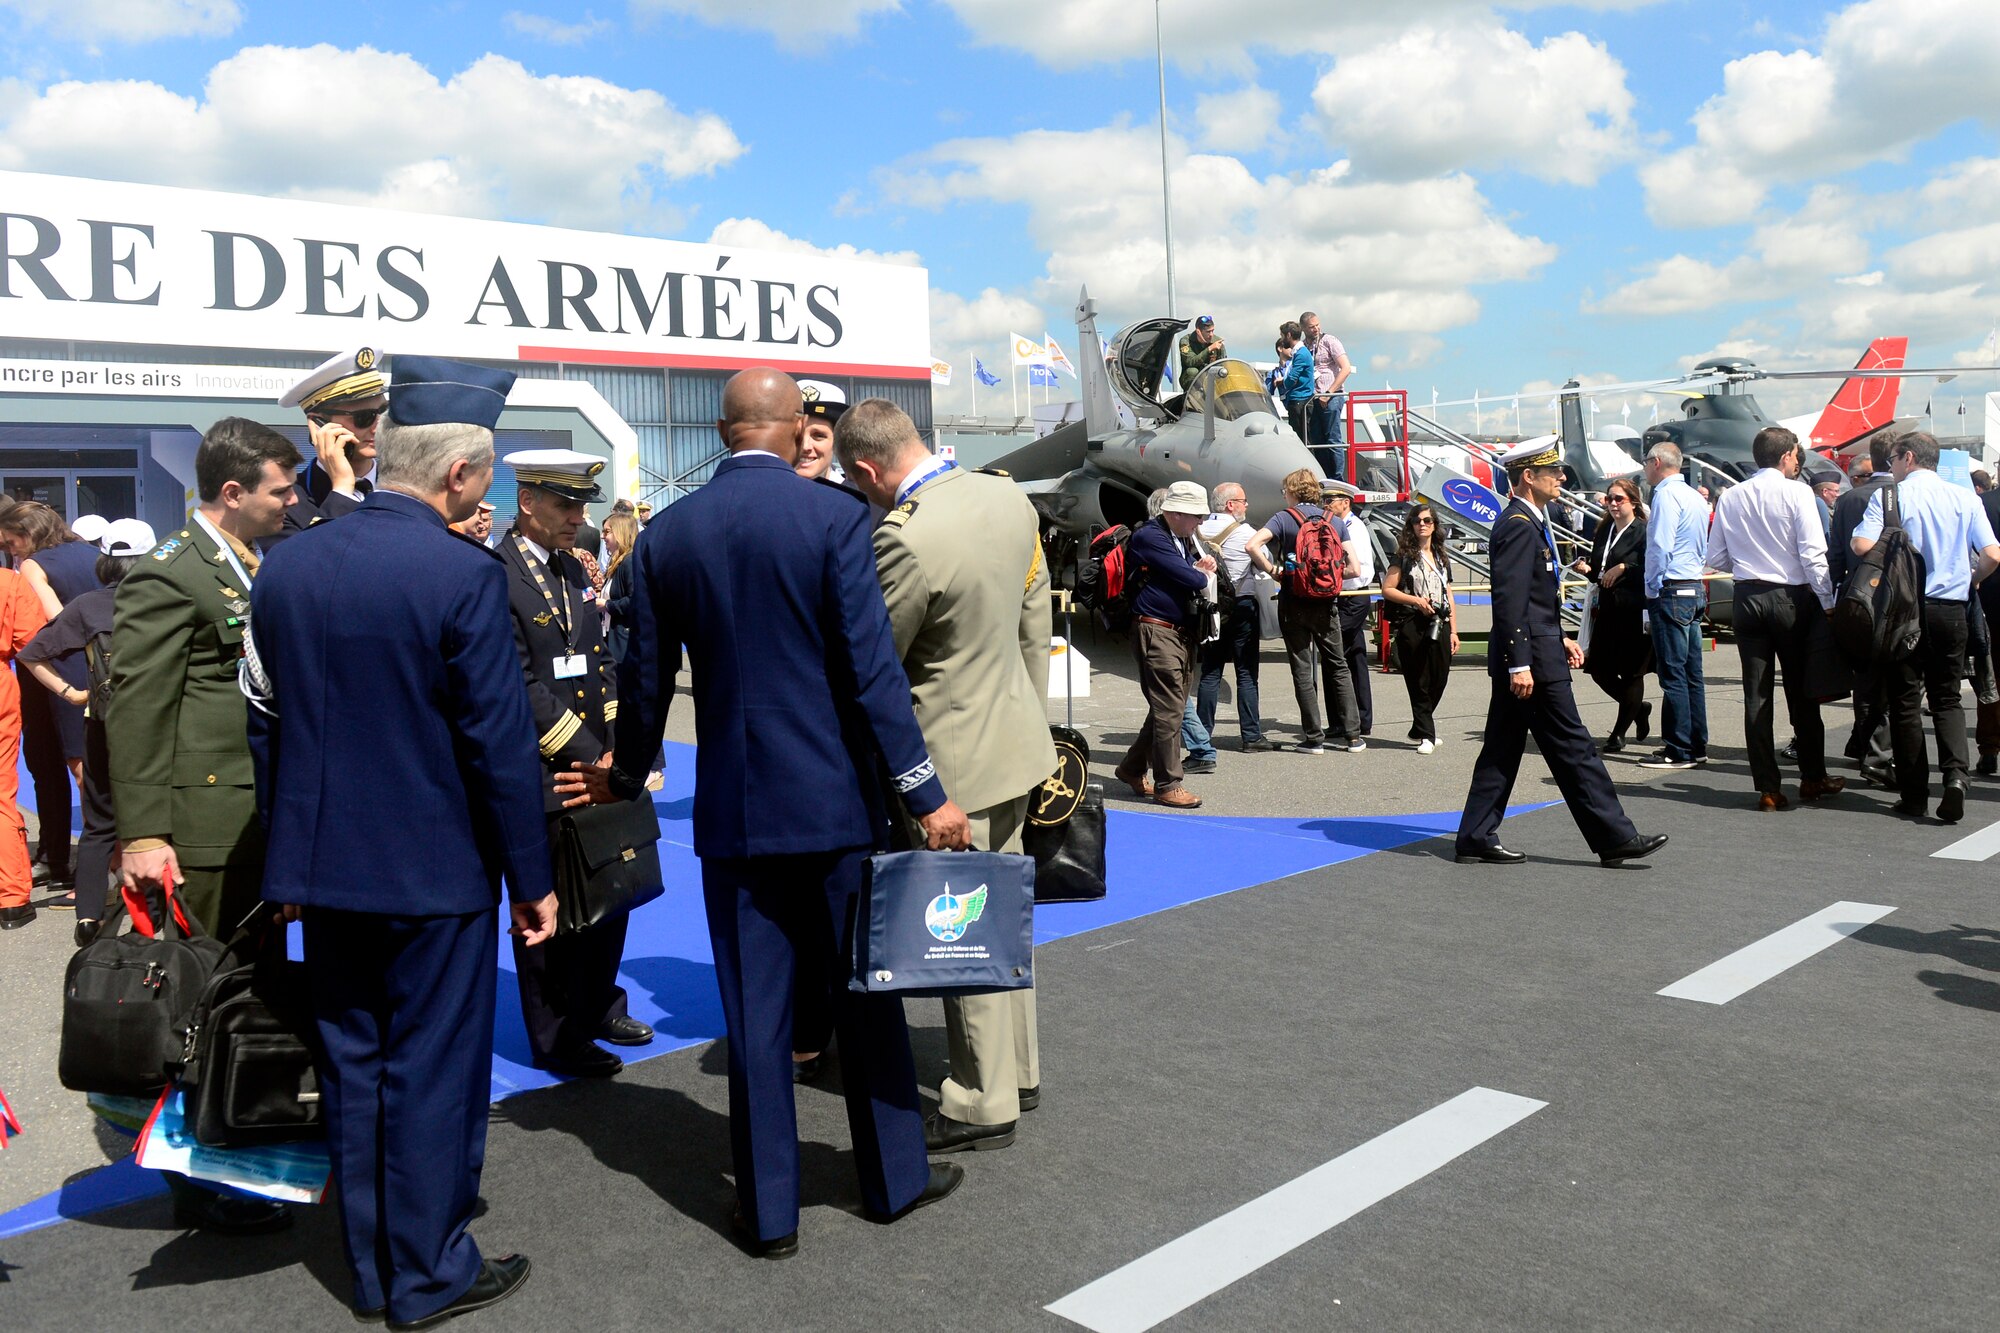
point(909, 487)
point(570, 664)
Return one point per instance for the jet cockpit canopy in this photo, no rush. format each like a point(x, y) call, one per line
point(1140, 355)
point(1235, 386)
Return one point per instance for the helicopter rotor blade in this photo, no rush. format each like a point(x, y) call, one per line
point(1914, 372)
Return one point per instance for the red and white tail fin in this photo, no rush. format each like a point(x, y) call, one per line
point(1862, 405)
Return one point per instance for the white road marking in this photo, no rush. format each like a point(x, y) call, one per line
point(1974, 846)
point(1159, 1285)
point(1754, 964)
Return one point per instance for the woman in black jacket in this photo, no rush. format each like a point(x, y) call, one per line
point(1621, 653)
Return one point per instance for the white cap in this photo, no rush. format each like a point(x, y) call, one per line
point(1541, 451)
point(350, 375)
point(90, 527)
point(820, 399)
point(1185, 497)
point(127, 536)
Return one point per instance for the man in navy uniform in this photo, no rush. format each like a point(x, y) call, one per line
point(768, 580)
point(397, 772)
point(1530, 660)
point(343, 399)
point(570, 996)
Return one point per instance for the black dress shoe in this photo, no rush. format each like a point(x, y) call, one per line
point(1640, 844)
point(229, 1214)
point(13, 918)
point(1253, 747)
point(1611, 745)
point(945, 1177)
point(586, 1061)
point(1912, 809)
point(1031, 1097)
point(1645, 721)
point(778, 1247)
point(86, 930)
point(498, 1279)
point(625, 1032)
point(943, 1134)
point(806, 1070)
point(1951, 807)
point(1496, 855)
point(1989, 765)
point(373, 1315)
point(1882, 775)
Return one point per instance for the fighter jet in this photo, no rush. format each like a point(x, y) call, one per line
point(1096, 473)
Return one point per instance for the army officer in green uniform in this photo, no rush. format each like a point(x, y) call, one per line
point(180, 758)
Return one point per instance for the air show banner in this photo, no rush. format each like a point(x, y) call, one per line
point(1464, 497)
point(103, 261)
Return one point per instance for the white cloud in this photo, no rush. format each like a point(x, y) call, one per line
point(491, 140)
point(555, 32)
point(751, 234)
point(1387, 264)
point(793, 22)
point(1888, 74)
point(1435, 99)
point(129, 20)
point(1239, 121)
point(1824, 243)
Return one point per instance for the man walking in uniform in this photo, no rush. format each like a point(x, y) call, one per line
point(181, 779)
point(398, 775)
point(570, 996)
point(767, 582)
point(1530, 661)
point(959, 557)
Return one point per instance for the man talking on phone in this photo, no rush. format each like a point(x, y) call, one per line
point(343, 398)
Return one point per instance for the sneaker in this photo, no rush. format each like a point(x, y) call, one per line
point(1667, 762)
point(1197, 765)
point(1257, 744)
point(1425, 747)
point(1355, 746)
point(1309, 747)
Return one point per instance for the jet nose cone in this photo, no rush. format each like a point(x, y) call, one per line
point(1266, 464)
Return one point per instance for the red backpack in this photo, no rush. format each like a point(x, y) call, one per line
point(1317, 559)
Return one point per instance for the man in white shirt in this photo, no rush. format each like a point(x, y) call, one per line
point(1226, 536)
point(1768, 534)
point(1359, 574)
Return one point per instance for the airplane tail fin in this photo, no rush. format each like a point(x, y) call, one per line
point(1862, 405)
point(1100, 413)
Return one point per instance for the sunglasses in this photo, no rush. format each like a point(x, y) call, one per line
point(1426, 522)
point(362, 419)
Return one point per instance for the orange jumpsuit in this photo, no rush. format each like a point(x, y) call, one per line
point(21, 615)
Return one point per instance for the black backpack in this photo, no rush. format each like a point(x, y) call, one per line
point(1108, 582)
point(127, 1003)
point(97, 667)
point(1879, 616)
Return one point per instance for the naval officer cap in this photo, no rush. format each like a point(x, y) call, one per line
point(822, 399)
point(431, 391)
point(349, 377)
point(563, 472)
point(1542, 451)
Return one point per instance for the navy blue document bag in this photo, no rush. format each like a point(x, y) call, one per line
point(946, 923)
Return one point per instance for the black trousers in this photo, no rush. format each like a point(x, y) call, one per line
point(1426, 666)
point(100, 827)
point(48, 770)
point(1354, 644)
point(1549, 714)
point(1312, 638)
point(1932, 673)
point(569, 985)
point(1773, 623)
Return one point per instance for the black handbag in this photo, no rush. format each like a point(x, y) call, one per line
point(127, 999)
point(607, 862)
point(1069, 857)
point(250, 1075)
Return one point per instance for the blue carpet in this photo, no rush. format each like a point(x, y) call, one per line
point(1158, 861)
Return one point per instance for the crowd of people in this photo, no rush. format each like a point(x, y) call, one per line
point(866, 623)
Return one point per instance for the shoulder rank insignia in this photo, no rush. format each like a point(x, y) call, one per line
point(228, 591)
point(166, 549)
point(544, 618)
point(901, 514)
point(994, 472)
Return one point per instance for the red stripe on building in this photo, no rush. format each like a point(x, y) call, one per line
point(680, 361)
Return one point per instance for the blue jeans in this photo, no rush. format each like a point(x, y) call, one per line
point(1326, 436)
point(1194, 735)
point(1239, 645)
point(1675, 616)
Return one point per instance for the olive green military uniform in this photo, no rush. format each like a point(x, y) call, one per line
point(1197, 356)
point(180, 755)
point(961, 569)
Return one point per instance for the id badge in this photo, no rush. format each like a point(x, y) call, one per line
point(568, 668)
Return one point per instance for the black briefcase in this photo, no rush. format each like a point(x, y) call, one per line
point(126, 1003)
point(607, 862)
point(251, 1075)
point(1069, 857)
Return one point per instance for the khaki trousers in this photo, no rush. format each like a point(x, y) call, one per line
point(993, 1046)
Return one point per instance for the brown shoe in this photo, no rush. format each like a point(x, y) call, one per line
point(1178, 798)
point(1812, 789)
point(1141, 785)
point(1772, 800)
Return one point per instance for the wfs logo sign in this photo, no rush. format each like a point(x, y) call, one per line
point(949, 915)
point(1472, 500)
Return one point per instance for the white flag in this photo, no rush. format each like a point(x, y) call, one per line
point(1028, 352)
point(941, 372)
point(1056, 357)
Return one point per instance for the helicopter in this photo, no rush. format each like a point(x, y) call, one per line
point(1098, 472)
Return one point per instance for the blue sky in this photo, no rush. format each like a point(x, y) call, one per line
point(1475, 196)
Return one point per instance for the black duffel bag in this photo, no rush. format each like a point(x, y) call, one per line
point(251, 1050)
point(127, 1000)
point(607, 862)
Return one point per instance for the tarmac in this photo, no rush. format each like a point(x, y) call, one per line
point(1268, 1079)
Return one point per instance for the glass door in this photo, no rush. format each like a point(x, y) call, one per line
point(51, 489)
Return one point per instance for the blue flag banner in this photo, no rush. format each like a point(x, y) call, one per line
point(982, 374)
point(1039, 375)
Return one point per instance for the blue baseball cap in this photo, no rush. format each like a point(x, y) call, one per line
point(1205, 322)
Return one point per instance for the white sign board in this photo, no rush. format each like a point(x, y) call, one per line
point(102, 261)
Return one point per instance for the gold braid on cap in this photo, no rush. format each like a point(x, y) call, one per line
point(365, 384)
point(1549, 457)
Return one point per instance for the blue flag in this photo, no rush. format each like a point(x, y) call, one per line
point(982, 374)
point(1042, 375)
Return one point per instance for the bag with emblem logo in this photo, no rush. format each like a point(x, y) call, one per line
point(1065, 830)
point(607, 862)
point(945, 923)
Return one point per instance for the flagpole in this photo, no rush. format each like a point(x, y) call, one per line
point(975, 385)
point(1166, 188)
point(1014, 391)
